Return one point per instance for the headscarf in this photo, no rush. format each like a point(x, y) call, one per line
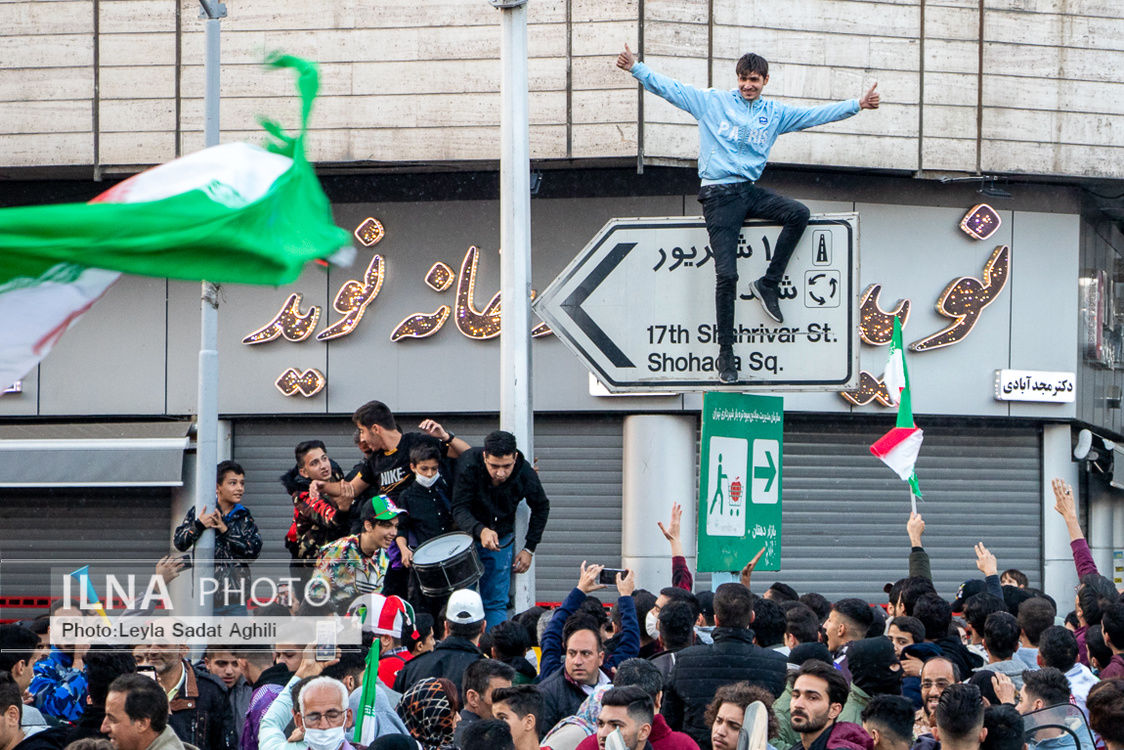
point(585, 718)
point(428, 712)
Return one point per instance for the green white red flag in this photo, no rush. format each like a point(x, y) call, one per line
point(900, 447)
point(231, 213)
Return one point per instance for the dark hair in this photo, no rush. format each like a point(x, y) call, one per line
point(639, 704)
point(1004, 726)
point(935, 615)
point(978, 607)
point(1112, 624)
point(893, 715)
point(676, 594)
point(423, 626)
point(224, 468)
point(466, 630)
point(424, 451)
point(374, 413)
point(1035, 615)
point(491, 734)
point(91, 743)
point(752, 63)
point(676, 625)
point(499, 443)
point(894, 591)
point(144, 699)
point(1094, 594)
point(768, 622)
point(1001, 635)
point(910, 625)
point(1048, 684)
point(960, 712)
point(351, 663)
point(640, 673)
point(913, 589)
point(1071, 619)
point(578, 622)
point(509, 639)
point(733, 606)
point(529, 619)
point(10, 694)
point(1017, 575)
point(1106, 709)
point(1013, 597)
point(295, 690)
point(102, 668)
point(837, 687)
point(784, 592)
point(644, 601)
point(523, 699)
point(17, 644)
point(1058, 648)
point(802, 624)
point(304, 448)
point(594, 608)
point(981, 678)
point(706, 606)
point(1099, 651)
point(856, 612)
point(818, 604)
point(479, 673)
point(742, 694)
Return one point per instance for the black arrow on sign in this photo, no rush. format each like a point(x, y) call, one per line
point(573, 305)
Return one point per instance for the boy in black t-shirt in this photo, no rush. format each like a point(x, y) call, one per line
point(428, 514)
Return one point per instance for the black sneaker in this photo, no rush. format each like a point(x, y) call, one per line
point(727, 373)
point(769, 300)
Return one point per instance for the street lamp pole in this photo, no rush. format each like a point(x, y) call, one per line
point(516, 408)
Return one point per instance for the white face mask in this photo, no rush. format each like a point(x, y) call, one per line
point(427, 482)
point(324, 739)
point(651, 624)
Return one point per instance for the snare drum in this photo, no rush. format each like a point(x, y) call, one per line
point(446, 563)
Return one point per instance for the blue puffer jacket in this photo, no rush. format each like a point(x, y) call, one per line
point(735, 135)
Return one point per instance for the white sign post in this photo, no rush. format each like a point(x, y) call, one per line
point(637, 307)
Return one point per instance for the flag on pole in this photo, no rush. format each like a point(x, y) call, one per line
point(899, 447)
point(230, 213)
point(365, 724)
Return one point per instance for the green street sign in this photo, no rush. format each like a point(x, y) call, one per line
point(740, 481)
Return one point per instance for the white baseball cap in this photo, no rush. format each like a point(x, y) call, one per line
point(464, 607)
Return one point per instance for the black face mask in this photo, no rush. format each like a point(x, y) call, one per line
point(874, 667)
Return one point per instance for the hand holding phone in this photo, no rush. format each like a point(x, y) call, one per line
point(608, 576)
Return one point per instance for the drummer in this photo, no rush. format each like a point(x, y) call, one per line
point(427, 514)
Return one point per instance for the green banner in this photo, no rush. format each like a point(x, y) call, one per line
point(740, 481)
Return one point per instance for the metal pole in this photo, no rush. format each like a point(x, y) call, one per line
point(516, 410)
point(207, 403)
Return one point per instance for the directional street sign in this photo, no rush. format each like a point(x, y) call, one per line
point(637, 307)
point(740, 481)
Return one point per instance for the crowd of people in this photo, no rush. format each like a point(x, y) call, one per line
point(995, 665)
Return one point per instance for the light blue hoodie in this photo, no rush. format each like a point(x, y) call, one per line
point(735, 135)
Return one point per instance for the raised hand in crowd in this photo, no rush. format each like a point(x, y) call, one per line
point(747, 571)
point(671, 531)
point(985, 560)
point(915, 527)
point(1066, 506)
point(587, 580)
point(626, 583)
point(169, 566)
point(1004, 688)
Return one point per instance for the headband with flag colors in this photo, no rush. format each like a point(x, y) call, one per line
point(899, 447)
point(230, 213)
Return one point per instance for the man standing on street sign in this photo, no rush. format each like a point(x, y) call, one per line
point(736, 130)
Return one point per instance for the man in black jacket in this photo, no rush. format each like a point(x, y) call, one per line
point(564, 690)
point(700, 670)
point(200, 714)
point(464, 624)
point(490, 483)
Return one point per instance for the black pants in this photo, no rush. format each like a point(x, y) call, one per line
point(725, 208)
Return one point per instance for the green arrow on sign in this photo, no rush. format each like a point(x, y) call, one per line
point(766, 472)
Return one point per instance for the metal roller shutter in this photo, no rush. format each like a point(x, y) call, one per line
point(42, 528)
point(845, 512)
point(579, 464)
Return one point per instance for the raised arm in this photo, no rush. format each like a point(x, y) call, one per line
point(552, 645)
point(989, 566)
point(1066, 506)
point(687, 98)
point(681, 577)
point(918, 558)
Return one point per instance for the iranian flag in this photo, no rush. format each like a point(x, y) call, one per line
point(899, 447)
point(231, 213)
